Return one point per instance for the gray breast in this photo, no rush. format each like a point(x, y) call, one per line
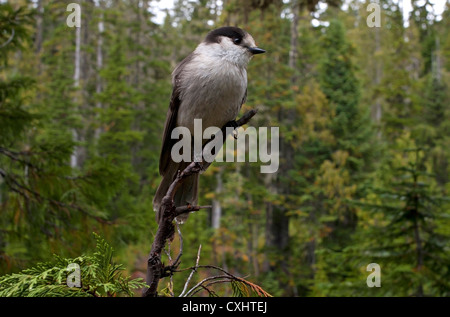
point(212, 91)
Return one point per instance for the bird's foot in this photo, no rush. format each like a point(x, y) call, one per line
point(235, 126)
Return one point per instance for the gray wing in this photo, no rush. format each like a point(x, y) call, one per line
point(170, 124)
point(244, 99)
point(171, 117)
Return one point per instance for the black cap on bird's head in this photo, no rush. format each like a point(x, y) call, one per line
point(227, 31)
point(237, 35)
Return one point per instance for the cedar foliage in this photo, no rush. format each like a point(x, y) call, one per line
point(99, 275)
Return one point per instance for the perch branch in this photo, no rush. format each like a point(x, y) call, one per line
point(155, 268)
point(186, 209)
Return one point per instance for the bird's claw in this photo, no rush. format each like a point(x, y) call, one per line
point(235, 126)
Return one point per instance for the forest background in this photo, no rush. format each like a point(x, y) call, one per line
point(364, 117)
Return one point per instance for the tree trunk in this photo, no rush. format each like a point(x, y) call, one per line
point(216, 212)
point(436, 62)
point(137, 40)
point(293, 52)
point(39, 28)
point(377, 110)
point(77, 61)
point(253, 220)
point(419, 252)
point(417, 238)
point(277, 225)
point(76, 80)
point(99, 64)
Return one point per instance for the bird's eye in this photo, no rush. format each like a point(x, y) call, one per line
point(237, 40)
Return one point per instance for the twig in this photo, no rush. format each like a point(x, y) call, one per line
point(168, 271)
point(180, 253)
point(194, 269)
point(206, 286)
point(206, 267)
point(193, 168)
point(227, 277)
point(23, 190)
point(15, 157)
point(170, 275)
point(211, 292)
point(246, 117)
point(8, 40)
point(199, 284)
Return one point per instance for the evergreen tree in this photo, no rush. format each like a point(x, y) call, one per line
point(432, 129)
point(351, 127)
point(342, 175)
point(407, 235)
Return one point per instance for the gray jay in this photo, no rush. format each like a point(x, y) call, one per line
point(209, 84)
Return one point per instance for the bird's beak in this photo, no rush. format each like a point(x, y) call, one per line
point(256, 50)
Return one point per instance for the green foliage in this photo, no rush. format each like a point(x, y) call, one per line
point(100, 277)
point(337, 70)
point(348, 105)
point(410, 217)
point(14, 25)
point(242, 288)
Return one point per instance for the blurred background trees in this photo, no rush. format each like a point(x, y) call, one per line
point(81, 117)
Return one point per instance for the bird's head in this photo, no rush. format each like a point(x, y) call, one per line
point(232, 44)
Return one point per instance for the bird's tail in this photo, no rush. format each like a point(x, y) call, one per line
point(186, 194)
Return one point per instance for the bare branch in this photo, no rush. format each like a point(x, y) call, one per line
point(24, 191)
point(186, 209)
point(193, 168)
point(15, 157)
point(194, 269)
point(206, 267)
point(199, 284)
point(180, 253)
point(226, 278)
point(246, 117)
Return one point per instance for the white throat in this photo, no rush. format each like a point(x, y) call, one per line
point(218, 52)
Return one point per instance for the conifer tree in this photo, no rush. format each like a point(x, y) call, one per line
point(351, 125)
point(407, 235)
